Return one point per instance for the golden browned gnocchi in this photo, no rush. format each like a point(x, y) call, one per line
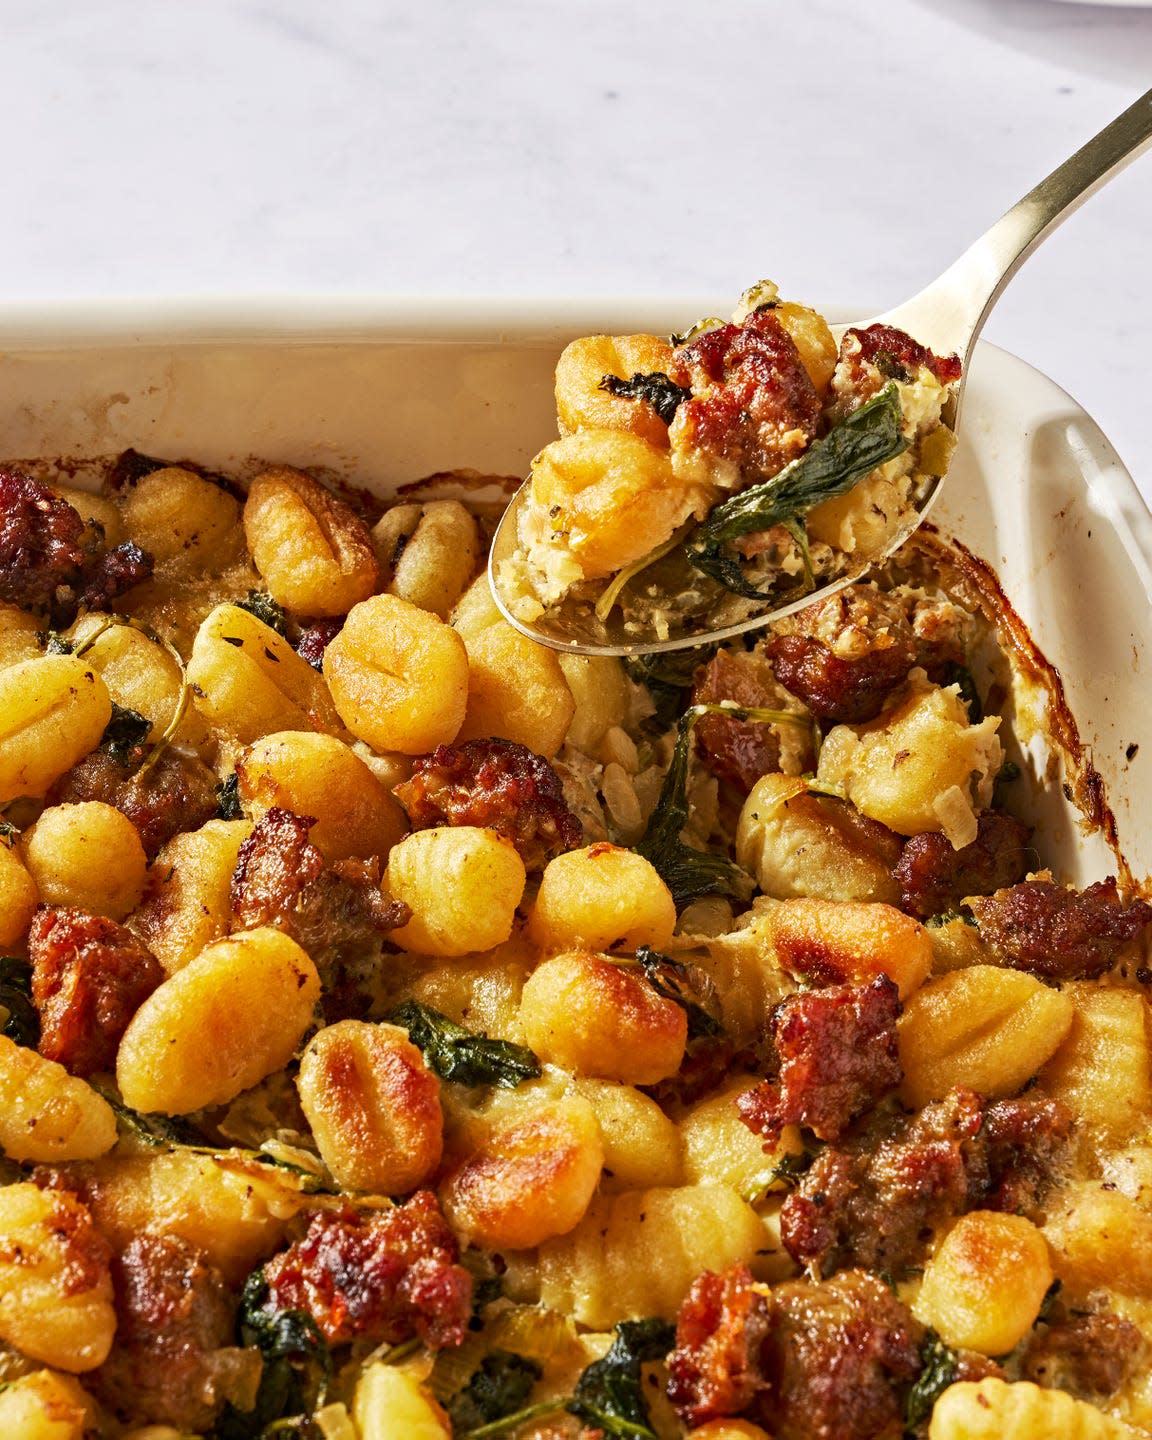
point(592, 1016)
point(603, 897)
point(462, 884)
point(983, 1027)
point(55, 1286)
point(87, 854)
point(229, 1017)
point(428, 554)
point(46, 1405)
point(320, 776)
point(398, 676)
point(373, 1105)
point(523, 1171)
point(963, 1295)
point(47, 1114)
point(313, 552)
point(53, 711)
point(248, 680)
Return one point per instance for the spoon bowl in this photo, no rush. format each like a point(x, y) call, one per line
point(674, 606)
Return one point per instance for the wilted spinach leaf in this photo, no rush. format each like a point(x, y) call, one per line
point(125, 735)
point(159, 1132)
point(666, 676)
point(682, 984)
point(22, 1021)
point(939, 1369)
point(832, 465)
point(499, 1388)
point(228, 803)
point(262, 605)
point(688, 873)
point(790, 1167)
point(962, 678)
point(461, 1055)
point(609, 1394)
point(57, 644)
point(662, 394)
point(297, 1368)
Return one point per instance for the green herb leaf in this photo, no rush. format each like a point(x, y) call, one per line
point(277, 1333)
point(228, 805)
point(790, 1167)
point(11, 1173)
point(461, 1055)
point(19, 1018)
point(946, 917)
point(609, 1394)
point(963, 679)
point(296, 1373)
point(939, 1367)
point(662, 394)
point(500, 1387)
point(262, 605)
point(687, 986)
point(158, 1132)
point(868, 437)
point(125, 735)
point(56, 644)
point(666, 676)
point(688, 873)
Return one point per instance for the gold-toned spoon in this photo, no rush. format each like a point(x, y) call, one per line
point(947, 316)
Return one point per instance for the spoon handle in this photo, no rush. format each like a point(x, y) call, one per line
point(949, 313)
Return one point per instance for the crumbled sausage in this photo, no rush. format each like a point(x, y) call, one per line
point(313, 640)
point(1061, 934)
point(40, 549)
point(44, 563)
point(752, 403)
point(89, 977)
point(384, 1275)
point(111, 574)
point(842, 691)
point(498, 785)
point(1022, 1144)
point(933, 877)
point(825, 1360)
point(839, 1358)
point(895, 355)
point(176, 792)
point(337, 913)
point(838, 1057)
point(274, 867)
point(845, 654)
point(737, 751)
point(874, 1201)
point(1092, 1356)
point(174, 1313)
point(714, 1370)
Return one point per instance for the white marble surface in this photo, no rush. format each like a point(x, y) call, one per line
point(591, 147)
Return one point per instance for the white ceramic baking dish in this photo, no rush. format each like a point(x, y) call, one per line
point(381, 392)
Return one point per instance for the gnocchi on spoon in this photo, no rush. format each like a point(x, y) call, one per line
point(710, 483)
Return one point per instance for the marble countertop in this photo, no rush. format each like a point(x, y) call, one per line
point(590, 148)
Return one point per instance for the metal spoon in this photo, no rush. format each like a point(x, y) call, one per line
point(946, 316)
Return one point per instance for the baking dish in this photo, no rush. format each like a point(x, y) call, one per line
point(1049, 534)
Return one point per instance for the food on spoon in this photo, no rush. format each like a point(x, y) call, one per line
point(626, 1053)
point(756, 453)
